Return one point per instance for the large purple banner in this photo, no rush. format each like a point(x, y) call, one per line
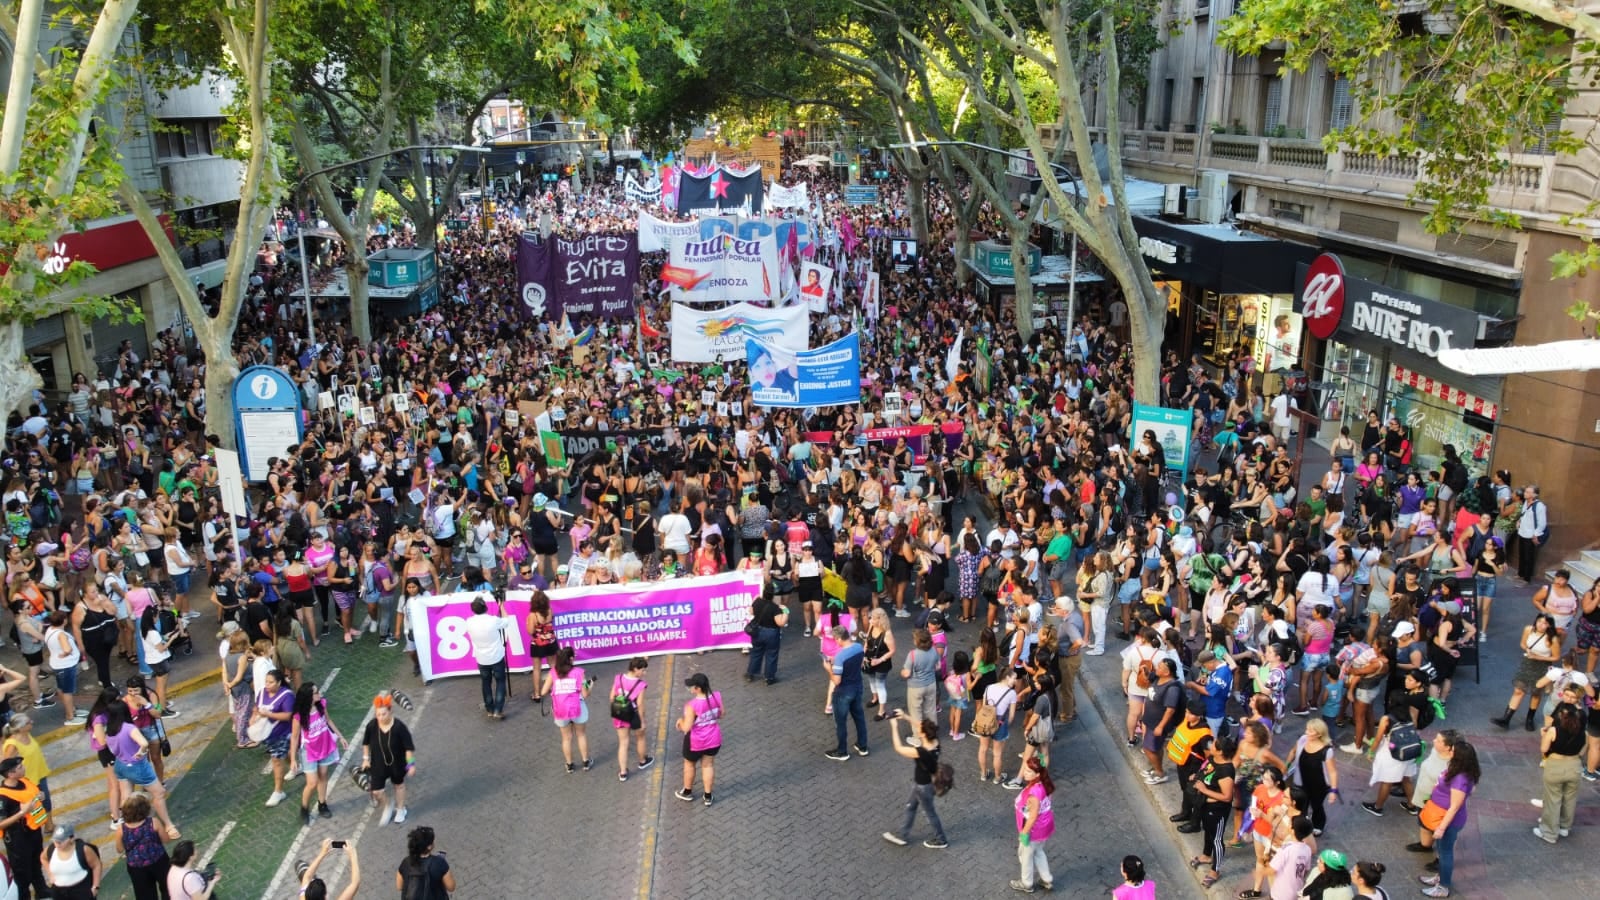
point(591, 275)
point(533, 275)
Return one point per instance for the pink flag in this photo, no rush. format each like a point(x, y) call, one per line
point(847, 233)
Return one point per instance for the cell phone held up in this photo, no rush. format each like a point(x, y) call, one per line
point(336, 845)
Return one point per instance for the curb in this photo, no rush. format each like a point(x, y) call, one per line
point(188, 686)
point(1166, 803)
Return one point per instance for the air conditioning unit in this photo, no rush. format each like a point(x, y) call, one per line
point(1212, 203)
point(1172, 199)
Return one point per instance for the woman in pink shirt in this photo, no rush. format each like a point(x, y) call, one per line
point(314, 740)
point(1036, 822)
point(568, 689)
point(1134, 886)
point(701, 725)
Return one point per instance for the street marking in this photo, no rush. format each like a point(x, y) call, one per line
point(647, 865)
point(216, 844)
point(367, 815)
point(287, 864)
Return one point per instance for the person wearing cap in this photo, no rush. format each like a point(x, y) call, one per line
point(22, 818)
point(72, 866)
point(543, 523)
point(701, 726)
point(1330, 880)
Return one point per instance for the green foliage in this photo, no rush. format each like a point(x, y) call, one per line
point(385, 208)
point(1459, 84)
point(46, 195)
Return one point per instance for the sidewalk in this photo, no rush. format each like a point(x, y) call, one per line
point(1493, 854)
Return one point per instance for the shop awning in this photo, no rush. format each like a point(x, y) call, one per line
point(1220, 258)
point(1560, 356)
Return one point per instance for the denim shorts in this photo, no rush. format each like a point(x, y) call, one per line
point(309, 765)
point(139, 771)
point(582, 719)
point(1313, 662)
point(66, 679)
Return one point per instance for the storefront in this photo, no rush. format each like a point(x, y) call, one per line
point(1378, 350)
point(1230, 292)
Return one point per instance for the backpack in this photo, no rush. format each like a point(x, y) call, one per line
point(417, 882)
point(1146, 675)
point(623, 707)
point(986, 722)
point(989, 584)
point(1405, 744)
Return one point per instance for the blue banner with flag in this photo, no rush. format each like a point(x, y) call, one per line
point(827, 376)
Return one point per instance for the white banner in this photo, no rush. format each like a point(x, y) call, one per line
point(656, 235)
point(705, 335)
point(723, 267)
point(816, 285)
point(647, 193)
point(780, 197)
point(870, 299)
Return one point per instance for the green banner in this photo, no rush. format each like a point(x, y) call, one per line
point(555, 452)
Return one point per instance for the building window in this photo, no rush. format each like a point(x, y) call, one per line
point(184, 138)
point(1271, 103)
point(1341, 105)
point(1543, 135)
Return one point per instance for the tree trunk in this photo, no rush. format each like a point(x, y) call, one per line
point(222, 369)
point(1147, 321)
point(18, 378)
point(917, 205)
point(1024, 284)
point(963, 254)
point(360, 304)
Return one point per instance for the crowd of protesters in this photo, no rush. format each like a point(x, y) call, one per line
point(1045, 535)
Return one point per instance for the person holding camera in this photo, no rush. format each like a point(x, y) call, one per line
point(926, 754)
point(184, 882)
point(314, 888)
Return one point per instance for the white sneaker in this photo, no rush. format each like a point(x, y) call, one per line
point(276, 798)
point(372, 626)
point(293, 774)
point(400, 816)
point(386, 815)
point(1538, 802)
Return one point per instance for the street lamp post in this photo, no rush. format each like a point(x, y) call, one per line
point(300, 233)
point(1060, 170)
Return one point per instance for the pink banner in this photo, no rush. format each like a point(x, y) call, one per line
point(600, 623)
point(678, 616)
point(445, 651)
